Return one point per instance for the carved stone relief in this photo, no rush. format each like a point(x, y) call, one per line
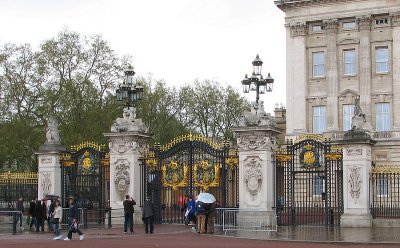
point(121, 145)
point(46, 183)
point(331, 25)
point(364, 22)
point(253, 142)
point(122, 178)
point(395, 18)
point(253, 177)
point(298, 29)
point(355, 182)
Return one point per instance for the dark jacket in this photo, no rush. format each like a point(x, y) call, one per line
point(128, 206)
point(73, 211)
point(32, 209)
point(39, 211)
point(20, 206)
point(148, 209)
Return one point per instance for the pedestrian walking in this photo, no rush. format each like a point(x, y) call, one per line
point(73, 225)
point(40, 216)
point(32, 214)
point(148, 215)
point(211, 214)
point(20, 208)
point(128, 203)
point(56, 217)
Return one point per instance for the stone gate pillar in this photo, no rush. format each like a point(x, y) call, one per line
point(49, 168)
point(127, 141)
point(356, 168)
point(257, 138)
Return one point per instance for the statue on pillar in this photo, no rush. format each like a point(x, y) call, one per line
point(257, 116)
point(128, 122)
point(358, 120)
point(52, 135)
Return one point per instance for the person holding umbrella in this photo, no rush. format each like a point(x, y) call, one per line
point(204, 201)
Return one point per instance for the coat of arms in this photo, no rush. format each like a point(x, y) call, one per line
point(206, 175)
point(309, 157)
point(175, 175)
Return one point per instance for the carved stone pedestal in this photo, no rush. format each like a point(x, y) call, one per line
point(49, 169)
point(125, 150)
point(256, 174)
point(356, 169)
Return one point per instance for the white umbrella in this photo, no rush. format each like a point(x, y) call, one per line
point(206, 198)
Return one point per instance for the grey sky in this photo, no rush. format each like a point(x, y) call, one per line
point(175, 40)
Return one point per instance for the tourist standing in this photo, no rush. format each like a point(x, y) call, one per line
point(32, 213)
point(201, 217)
point(148, 215)
point(39, 216)
point(73, 221)
point(128, 213)
point(20, 208)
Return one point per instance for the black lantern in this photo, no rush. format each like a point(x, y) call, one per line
point(129, 91)
point(256, 82)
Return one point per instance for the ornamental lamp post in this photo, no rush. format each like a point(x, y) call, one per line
point(128, 91)
point(257, 82)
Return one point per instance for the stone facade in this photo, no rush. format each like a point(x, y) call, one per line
point(348, 36)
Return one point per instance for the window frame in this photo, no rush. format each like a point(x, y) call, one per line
point(382, 116)
point(319, 64)
point(350, 115)
point(319, 118)
point(353, 62)
point(379, 62)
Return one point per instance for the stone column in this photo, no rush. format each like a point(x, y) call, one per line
point(125, 151)
point(356, 168)
point(365, 72)
point(296, 78)
point(332, 75)
point(256, 141)
point(49, 167)
point(395, 18)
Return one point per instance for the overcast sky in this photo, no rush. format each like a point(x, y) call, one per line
point(175, 40)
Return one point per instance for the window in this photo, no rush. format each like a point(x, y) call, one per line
point(319, 119)
point(318, 185)
point(382, 59)
point(381, 21)
point(349, 62)
point(318, 64)
point(349, 25)
point(317, 28)
point(382, 186)
point(348, 112)
point(382, 112)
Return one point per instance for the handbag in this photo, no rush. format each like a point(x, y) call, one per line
point(74, 226)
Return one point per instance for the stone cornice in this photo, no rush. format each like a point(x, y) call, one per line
point(287, 4)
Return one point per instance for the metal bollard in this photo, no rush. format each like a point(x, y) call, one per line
point(85, 218)
point(109, 218)
point(14, 214)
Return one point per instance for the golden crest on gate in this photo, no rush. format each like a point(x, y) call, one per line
point(175, 175)
point(206, 175)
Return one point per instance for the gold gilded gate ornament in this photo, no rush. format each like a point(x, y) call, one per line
point(175, 175)
point(309, 157)
point(86, 162)
point(206, 175)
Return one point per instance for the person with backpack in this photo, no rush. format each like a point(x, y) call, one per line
point(201, 217)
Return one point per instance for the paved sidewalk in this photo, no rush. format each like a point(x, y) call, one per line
point(169, 235)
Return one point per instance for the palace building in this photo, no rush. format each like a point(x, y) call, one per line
point(337, 51)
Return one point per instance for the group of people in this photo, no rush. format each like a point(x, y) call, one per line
point(39, 212)
point(147, 214)
point(201, 214)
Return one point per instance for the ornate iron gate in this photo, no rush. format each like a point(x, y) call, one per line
point(187, 166)
point(85, 175)
point(309, 182)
